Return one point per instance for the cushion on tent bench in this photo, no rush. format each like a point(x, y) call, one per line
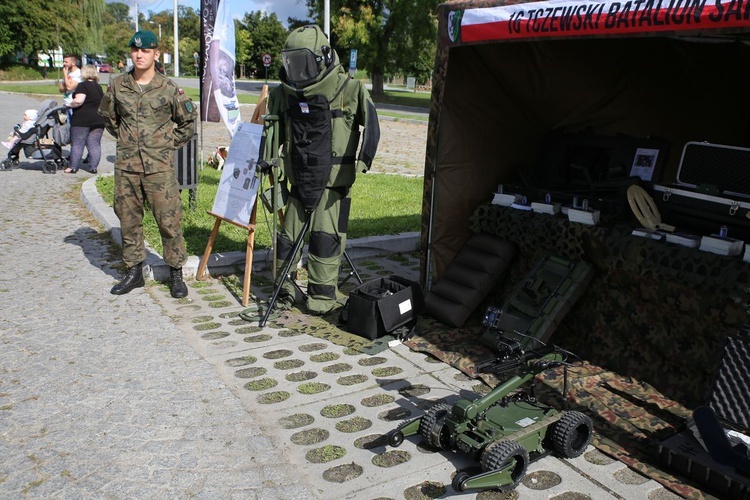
point(469, 278)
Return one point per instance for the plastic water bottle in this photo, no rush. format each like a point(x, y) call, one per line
point(723, 231)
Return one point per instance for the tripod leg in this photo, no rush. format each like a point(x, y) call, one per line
point(353, 271)
point(287, 266)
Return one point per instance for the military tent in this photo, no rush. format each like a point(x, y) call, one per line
point(507, 73)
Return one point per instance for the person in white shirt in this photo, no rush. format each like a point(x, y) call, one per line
point(71, 77)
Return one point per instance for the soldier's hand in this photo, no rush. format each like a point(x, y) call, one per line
point(362, 166)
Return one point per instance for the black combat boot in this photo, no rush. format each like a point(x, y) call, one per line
point(176, 285)
point(134, 279)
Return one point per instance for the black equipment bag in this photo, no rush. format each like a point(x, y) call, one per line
point(380, 306)
point(720, 168)
point(702, 213)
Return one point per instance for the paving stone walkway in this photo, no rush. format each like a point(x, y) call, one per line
point(145, 396)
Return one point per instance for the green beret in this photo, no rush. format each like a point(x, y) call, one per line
point(144, 39)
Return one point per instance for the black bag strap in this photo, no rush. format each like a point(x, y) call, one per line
point(344, 313)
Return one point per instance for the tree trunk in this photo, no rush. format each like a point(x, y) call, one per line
point(377, 83)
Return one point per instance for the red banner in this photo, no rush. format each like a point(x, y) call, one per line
point(570, 18)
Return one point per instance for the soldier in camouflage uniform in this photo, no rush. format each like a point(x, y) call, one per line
point(150, 117)
point(320, 112)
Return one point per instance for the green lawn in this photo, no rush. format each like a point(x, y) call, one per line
point(381, 204)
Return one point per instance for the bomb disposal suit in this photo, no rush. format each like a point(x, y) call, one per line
point(320, 112)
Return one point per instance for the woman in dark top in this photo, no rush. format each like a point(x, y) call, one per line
point(86, 126)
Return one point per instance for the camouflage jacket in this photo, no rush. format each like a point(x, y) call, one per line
point(148, 125)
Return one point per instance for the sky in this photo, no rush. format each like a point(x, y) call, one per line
point(283, 8)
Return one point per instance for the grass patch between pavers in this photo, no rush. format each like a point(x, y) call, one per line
point(343, 473)
point(354, 424)
point(277, 354)
point(377, 400)
point(288, 364)
point(371, 442)
point(296, 421)
point(273, 397)
point(309, 436)
point(430, 489)
point(261, 385)
point(414, 391)
point(352, 380)
point(395, 414)
point(374, 360)
point(313, 388)
point(252, 372)
point(387, 371)
point(337, 410)
point(337, 368)
point(324, 357)
point(245, 360)
point(301, 376)
point(391, 458)
point(325, 454)
point(258, 338)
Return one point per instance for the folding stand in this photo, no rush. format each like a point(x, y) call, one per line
point(284, 275)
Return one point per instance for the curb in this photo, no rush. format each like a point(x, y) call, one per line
point(232, 262)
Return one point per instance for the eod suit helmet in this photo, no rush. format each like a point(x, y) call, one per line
point(306, 56)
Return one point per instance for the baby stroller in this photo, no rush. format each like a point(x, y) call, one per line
point(51, 133)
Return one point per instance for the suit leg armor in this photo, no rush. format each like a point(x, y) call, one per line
point(327, 242)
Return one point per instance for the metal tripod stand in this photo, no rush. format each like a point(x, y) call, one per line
point(284, 275)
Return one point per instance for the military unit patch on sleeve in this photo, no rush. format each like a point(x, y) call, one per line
point(189, 106)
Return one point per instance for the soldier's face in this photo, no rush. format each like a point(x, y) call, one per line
point(143, 58)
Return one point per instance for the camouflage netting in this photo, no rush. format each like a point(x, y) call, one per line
point(630, 417)
point(654, 311)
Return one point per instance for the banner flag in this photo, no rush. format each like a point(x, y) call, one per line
point(566, 18)
point(218, 91)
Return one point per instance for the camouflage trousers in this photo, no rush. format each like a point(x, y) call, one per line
point(328, 226)
point(161, 191)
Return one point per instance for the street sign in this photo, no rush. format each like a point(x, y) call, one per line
point(353, 63)
point(267, 60)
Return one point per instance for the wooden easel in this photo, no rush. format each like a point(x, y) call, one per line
point(260, 110)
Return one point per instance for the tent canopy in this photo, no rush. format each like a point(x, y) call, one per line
point(506, 75)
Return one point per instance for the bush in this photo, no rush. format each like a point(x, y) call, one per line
point(21, 72)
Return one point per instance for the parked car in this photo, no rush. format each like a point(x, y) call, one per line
point(105, 68)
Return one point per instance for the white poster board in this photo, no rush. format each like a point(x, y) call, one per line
point(238, 186)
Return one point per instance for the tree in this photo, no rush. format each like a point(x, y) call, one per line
point(93, 12)
point(119, 30)
point(267, 35)
point(189, 24)
point(41, 25)
point(119, 13)
point(388, 34)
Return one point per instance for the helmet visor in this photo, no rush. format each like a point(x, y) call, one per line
point(302, 66)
